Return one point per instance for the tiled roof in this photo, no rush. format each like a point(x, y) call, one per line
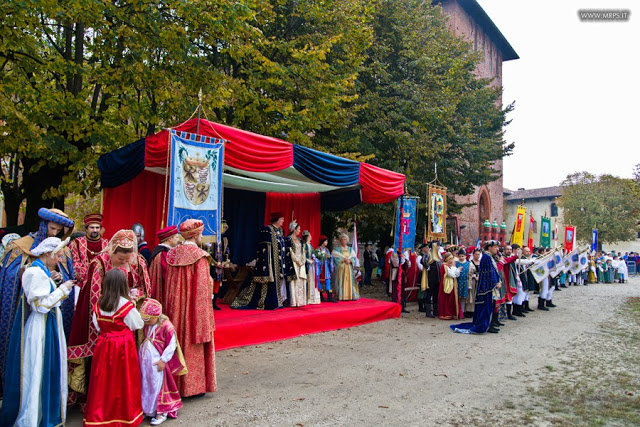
point(534, 193)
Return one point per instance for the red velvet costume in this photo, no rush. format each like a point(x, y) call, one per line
point(158, 272)
point(510, 288)
point(114, 397)
point(84, 251)
point(188, 305)
point(447, 303)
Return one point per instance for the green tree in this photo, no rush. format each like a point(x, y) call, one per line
point(420, 102)
point(82, 78)
point(606, 202)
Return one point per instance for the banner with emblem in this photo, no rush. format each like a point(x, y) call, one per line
point(195, 180)
point(518, 229)
point(545, 232)
point(437, 212)
point(569, 237)
point(406, 224)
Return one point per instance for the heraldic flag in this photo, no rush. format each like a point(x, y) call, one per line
point(545, 232)
point(518, 229)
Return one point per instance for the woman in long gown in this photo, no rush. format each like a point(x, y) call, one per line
point(296, 267)
point(35, 388)
point(448, 294)
point(115, 390)
point(345, 257)
point(474, 267)
point(464, 281)
point(313, 295)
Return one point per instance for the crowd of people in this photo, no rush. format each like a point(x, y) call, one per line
point(490, 284)
point(125, 332)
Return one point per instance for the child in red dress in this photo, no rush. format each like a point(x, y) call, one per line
point(114, 386)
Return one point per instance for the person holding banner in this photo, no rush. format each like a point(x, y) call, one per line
point(525, 283)
point(488, 280)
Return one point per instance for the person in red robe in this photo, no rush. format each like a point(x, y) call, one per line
point(84, 249)
point(448, 292)
point(169, 239)
point(160, 359)
point(188, 305)
point(121, 253)
point(507, 265)
point(115, 396)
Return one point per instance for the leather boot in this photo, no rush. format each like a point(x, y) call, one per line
point(215, 304)
point(422, 306)
point(509, 315)
point(550, 304)
point(527, 309)
point(517, 310)
point(429, 310)
point(493, 330)
point(541, 304)
point(403, 304)
point(330, 297)
point(322, 297)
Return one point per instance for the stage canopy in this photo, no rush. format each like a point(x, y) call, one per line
point(134, 178)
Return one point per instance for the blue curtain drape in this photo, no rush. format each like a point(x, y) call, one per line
point(244, 212)
point(339, 200)
point(325, 168)
point(121, 165)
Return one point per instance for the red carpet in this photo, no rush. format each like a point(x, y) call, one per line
point(237, 328)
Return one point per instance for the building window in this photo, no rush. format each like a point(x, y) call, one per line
point(554, 209)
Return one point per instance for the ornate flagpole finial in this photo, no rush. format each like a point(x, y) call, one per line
point(200, 96)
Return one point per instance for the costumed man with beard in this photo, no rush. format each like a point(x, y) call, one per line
point(268, 289)
point(143, 248)
point(169, 239)
point(85, 248)
point(122, 253)
point(221, 265)
point(17, 258)
point(488, 280)
point(510, 276)
point(188, 305)
point(422, 262)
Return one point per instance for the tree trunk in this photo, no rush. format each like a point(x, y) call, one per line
point(11, 207)
point(35, 185)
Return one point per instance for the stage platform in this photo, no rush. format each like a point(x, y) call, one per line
point(238, 328)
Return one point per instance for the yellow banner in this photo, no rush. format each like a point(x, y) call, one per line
point(518, 229)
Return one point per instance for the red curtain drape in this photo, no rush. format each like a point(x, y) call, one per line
point(245, 150)
point(305, 209)
point(139, 200)
point(380, 185)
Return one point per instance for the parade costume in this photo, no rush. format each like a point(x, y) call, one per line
point(114, 397)
point(84, 249)
point(422, 262)
point(525, 285)
point(84, 334)
point(221, 255)
point(324, 270)
point(160, 397)
point(268, 289)
point(473, 286)
point(434, 279)
point(464, 285)
point(143, 248)
point(296, 270)
point(158, 264)
point(395, 263)
point(313, 276)
point(188, 305)
point(510, 282)
point(448, 308)
point(487, 280)
point(35, 389)
point(17, 257)
point(345, 279)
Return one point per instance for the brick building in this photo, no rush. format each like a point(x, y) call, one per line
point(469, 20)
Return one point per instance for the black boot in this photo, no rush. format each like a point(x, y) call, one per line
point(541, 304)
point(494, 321)
point(403, 304)
point(493, 330)
point(429, 310)
point(509, 315)
point(215, 304)
point(322, 298)
point(330, 297)
point(550, 304)
point(422, 306)
point(527, 309)
point(517, 310)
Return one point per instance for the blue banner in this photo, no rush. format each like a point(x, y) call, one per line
point(195, 180)
point(594, 240)
point(406, 224)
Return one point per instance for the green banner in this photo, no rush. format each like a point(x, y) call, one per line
point(545, 232)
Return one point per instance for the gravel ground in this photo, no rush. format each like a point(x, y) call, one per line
point(408, 371)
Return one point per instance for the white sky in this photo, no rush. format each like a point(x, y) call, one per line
point(576, 87)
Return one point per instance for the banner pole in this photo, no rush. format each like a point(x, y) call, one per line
point(400, 252)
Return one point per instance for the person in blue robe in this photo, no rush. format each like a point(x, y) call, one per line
point(16, 258)
point(35, 388)
point(488, 280)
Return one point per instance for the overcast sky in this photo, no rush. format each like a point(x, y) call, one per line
point(576, 88)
